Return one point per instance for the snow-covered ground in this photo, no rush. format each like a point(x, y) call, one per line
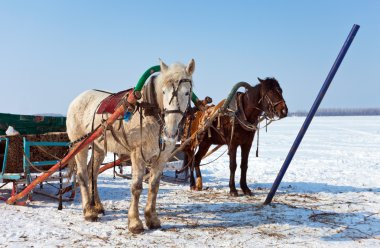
point(330, 197)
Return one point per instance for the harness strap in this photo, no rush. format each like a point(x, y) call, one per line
point(246, 125)
point(105, 140)
point(232, 133)
point(240, 106)
point(124, 135)
point(141, 139)
point(218, 126)
point(117, 139)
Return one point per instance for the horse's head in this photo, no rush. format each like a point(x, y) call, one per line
point(271, 99)
point(176, 88)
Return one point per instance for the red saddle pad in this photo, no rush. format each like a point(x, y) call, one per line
point(111, 102)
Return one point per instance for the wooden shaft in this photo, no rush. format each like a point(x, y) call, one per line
point(113, 163)
point(98, 131)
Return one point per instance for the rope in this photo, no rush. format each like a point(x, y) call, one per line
point(214, 159)
point(46, 152)
point(114, 165)
point(258, 136)
point(205, 156)
point(212, 151)
point(80, 139)
point(31, 164)
point(44, 171)
point(60, 187)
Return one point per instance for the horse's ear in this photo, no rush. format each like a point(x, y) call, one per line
point(261, 81)
point(163, 66)
point(190, 67)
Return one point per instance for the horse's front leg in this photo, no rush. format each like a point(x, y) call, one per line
point(244, 167)
point(203, 149)
point(151, 217)
point(138, 170)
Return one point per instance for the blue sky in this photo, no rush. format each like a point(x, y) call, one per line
point(50, 51)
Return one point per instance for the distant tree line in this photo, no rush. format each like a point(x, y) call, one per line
point(341, 112)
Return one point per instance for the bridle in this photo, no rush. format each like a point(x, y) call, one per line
point(175, 95)
point(271, 105)
point(178, 110)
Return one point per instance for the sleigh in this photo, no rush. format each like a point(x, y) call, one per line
point(40, 142)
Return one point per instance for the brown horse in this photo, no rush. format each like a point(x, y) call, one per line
point(235, 129)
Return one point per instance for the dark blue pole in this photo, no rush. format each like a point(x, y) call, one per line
point(312, 112)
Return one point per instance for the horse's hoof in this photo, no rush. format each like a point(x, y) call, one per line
point(91, 218)
point(247, 192)
point(153, 224)
point(234, 193)
point(99, 209)
point(136, 229)
point(151, 220)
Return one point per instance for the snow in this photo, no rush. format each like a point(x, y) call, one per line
point(330, 197)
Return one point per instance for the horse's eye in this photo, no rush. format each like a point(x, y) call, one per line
point(187, 93)
point(163, 92)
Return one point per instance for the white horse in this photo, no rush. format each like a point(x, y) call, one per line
point(173, 89)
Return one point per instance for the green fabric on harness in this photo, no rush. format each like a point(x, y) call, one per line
point(145, 76)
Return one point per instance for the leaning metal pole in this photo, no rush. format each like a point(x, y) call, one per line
point(312, 112)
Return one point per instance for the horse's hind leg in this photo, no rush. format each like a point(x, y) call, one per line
point(185, 166)
point(82, 174)
point(93, 176)
point(138, 171)
point(151, 218)
point(244, 167)
point(232, 153)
